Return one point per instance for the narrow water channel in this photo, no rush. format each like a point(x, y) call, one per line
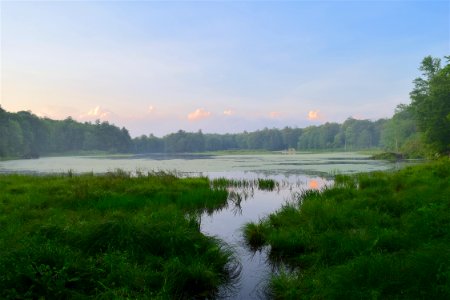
point(227, 224)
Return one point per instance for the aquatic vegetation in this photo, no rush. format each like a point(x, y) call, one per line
point(374, 235)
point(259, 183)
point(255, 235)
point(388, 156)
point(266, 184)
point(110, 236)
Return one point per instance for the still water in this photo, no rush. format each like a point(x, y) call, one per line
point(294, 173)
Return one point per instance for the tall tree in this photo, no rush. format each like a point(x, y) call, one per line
point(400, 132)
point(431, 103)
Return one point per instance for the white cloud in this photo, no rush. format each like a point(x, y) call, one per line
point(228, 112)
point(274, 114)
point(199, 114)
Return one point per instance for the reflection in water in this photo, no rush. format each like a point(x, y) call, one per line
point(313, 184)
point(248, 203)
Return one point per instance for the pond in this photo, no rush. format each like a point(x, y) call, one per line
point(293, 173)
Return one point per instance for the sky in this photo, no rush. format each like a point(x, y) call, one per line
point(156, 67)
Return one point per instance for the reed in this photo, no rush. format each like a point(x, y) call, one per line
point(113, 236)
point(381, 235)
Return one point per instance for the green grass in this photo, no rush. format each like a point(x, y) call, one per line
point(109, 237)
point(383, 235)
point(391, 156)
point(259, 183)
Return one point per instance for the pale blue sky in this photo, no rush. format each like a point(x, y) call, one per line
point(226, 66)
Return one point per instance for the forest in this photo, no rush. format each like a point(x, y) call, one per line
point(418, 129)
point(25, 135)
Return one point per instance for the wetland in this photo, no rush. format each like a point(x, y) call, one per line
point(106, 197)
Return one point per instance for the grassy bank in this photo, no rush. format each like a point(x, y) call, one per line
point(378, 235)
point(109, 237)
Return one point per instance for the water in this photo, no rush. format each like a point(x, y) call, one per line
point(227, 225)
point(322, 163)
point(294, 173)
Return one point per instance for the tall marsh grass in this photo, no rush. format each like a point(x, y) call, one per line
point(114, 236)
point(259, 183)
point(382, 235)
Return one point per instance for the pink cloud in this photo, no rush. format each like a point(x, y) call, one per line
point(313, 115)
point(274, 114)
point(96, 113)
point(199, 114)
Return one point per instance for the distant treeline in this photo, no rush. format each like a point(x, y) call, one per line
point(23, 134)
point(351, 135)
point(416, 130)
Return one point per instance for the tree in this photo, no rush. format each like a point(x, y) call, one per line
point(23, 134)
point(290, 137)
point(430, 100)
point(400, 134)
point(15, 138)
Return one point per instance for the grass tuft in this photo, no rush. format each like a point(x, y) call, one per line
point(114, 236)
point(382, 235)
